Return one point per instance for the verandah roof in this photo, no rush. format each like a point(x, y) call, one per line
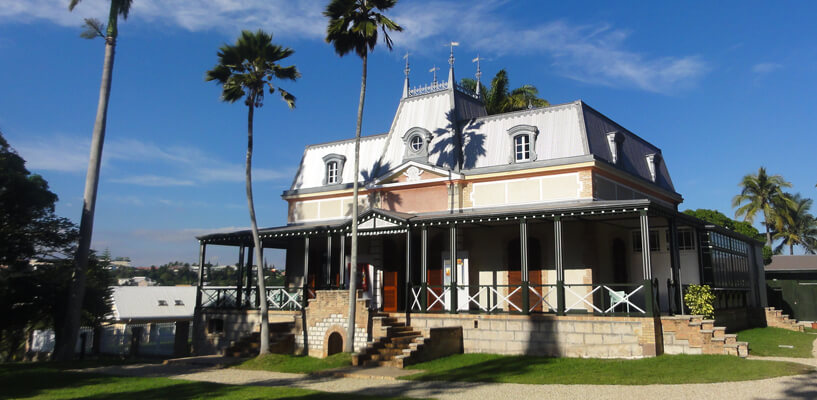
point(277, 237)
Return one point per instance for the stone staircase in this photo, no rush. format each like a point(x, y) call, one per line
point(395, 349)
point(281, 341)
point(692, 334)
point(776, 319)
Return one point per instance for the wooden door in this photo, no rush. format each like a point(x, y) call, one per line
point(390, 291)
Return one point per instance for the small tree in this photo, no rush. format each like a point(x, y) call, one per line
point(699, 299)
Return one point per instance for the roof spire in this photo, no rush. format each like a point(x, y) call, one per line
point(406, 82)
point(451, 63)
point(434, 69)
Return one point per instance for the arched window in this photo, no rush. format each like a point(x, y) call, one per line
point(523, 142)
point(333, 171)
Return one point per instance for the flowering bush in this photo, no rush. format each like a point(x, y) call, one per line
point(699, 299)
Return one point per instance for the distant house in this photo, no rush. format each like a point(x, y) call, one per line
point(148, 304)
point(792, 285)
point(136, 281)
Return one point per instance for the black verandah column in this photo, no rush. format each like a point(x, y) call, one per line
point(202, 252)
point(408, 275)
point(328, 277)
point(675, 267)
point(646, 263)
point(454, 306)
point(239, 276)
point(198, 329)
point(424, 268)
point(306, 273)
point(248, 272)
point(560, 273)
point(523, 247)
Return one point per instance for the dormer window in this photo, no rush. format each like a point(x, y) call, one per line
point(416, 141)
point(614, 140)
point(653, 163)
point(333, 169)
point(523, 140)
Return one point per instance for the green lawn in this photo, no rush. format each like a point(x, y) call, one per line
point(766, 342)
point(655, 370)
point(811, 330)
point(296, 364)
point(51, 381)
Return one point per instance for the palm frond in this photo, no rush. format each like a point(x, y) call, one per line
point(93, 28)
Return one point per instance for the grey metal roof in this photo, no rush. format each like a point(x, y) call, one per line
point(141, 303)
point(793, 263)
point(465, 139)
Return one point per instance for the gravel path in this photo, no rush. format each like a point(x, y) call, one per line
point(796, 387)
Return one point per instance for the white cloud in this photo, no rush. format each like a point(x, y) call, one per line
point(153, 180)
point(190, 165)
point(765, 68)
point(284, 17)
point(594, 53)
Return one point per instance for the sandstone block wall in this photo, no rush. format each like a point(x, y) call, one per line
point(236, 325)
point(561, 336)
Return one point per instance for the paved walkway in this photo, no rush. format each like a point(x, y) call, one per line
point(796, 387)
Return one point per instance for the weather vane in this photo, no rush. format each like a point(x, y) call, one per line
point(479, 72)
point(434, 70)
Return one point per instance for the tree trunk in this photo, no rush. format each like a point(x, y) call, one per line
point(791, 249)
point(262, 290)
point(70, 330)
point(768, 234)
point(350, 329)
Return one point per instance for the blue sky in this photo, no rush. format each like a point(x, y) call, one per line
point(721, 87)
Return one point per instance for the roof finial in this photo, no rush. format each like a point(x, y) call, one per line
point(478, 75)
point(451, 57)
point(407, 64)
point(406, 82)
point(434, 69)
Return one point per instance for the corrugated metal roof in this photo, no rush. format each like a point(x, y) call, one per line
point(143, 302)
point(793, 263)
point(463, 136)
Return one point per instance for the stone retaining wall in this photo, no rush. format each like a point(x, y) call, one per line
point(236, 325)
point(545, 335)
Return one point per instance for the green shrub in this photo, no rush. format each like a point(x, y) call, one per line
point(699, 299)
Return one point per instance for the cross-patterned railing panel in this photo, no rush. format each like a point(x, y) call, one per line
point(278, 298)
point(543, 298)
point(606, 298)
point(219, 297)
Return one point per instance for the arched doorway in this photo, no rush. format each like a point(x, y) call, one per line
point(335, 344)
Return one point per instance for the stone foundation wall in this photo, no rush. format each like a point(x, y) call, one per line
point(237, 324)
point(543, 335)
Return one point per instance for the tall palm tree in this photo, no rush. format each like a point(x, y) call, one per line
point(760, 192)
point(246, 70)
point(353, 26)
point(795, 225)
point(499, 98)
point(94, 28)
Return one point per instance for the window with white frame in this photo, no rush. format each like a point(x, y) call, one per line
point(416, 143)
point(521, 146)
point(333, 169)
point(331, 172)
point(685, 239)
point(523, 142)
point(654, 245)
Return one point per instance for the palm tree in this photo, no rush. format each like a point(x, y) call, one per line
point(353, 26)
point(795, 225)
point(499, 99)
point(94, 28)
point(760, 192)
point(246, 70)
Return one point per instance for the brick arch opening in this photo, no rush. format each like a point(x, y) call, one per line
point(333, 340)
point(334, 344)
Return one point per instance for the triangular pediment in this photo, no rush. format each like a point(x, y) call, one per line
point(379, 219)
point(414, 172)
